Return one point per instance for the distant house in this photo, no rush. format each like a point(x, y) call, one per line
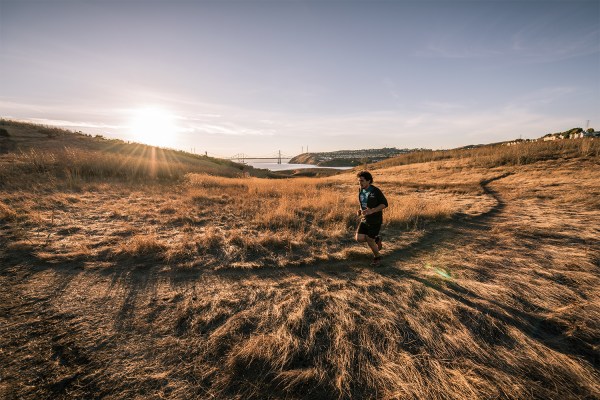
point(575, 133)
point(515, 142)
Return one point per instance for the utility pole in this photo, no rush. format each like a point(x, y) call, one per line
point(279, 159)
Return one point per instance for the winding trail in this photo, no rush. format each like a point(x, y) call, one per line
point(435, 236)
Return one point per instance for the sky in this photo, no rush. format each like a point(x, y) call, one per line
point(258, 77)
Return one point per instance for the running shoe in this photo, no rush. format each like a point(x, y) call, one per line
point(379, 242)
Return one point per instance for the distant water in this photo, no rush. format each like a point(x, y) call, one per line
point(273, 166)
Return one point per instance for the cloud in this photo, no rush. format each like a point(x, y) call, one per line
point(230, 129)
point(519, 50)
point(543, 38)
point(41, 110)
point(198, 117)
point(70, 124)
point(543, 96)
point(437, 106)
point(551, 48)
point(445, 49)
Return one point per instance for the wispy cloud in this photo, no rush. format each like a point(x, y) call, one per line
point(41, 108)
point(459, 49)
point(543, 96)
point(538, 40)
point(521, 49)
point(73, 124)
point(436, 106)
point(550, 49)
point(198, 117)
point(229, 129)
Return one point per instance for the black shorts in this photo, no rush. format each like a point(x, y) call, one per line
point(369, 229)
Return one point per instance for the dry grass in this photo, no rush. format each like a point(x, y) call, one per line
point(42, 154)
point(216, 221)
point(72, 166)
point(498, 155)
point(242, 288)
point(7, 213)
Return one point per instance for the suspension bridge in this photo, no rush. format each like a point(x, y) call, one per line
point(241, 157)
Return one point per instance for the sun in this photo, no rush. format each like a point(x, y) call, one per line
point(154, 126)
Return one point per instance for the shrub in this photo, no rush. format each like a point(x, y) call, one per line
point(4, 133)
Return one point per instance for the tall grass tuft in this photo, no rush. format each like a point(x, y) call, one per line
point(143, 245)
point(7, 213)
point(411, 210)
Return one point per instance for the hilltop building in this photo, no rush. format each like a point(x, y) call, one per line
point(575, 133)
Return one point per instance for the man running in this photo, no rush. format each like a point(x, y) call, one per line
point(372, 202)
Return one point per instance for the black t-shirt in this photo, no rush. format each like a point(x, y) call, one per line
point(371, 197)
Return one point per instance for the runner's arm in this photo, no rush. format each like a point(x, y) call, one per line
point(370, 211)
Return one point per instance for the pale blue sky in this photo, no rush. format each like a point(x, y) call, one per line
point(262, 76)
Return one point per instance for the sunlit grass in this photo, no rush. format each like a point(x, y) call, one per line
point(498, 155)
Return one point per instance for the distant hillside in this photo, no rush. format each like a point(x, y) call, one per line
point(518, 152)
point(349, 158)
point(26, 147)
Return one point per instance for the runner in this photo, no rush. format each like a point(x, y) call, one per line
point(372, 202)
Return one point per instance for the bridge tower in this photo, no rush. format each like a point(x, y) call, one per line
point(240, 157)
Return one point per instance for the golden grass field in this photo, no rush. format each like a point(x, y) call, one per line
point(130, 272)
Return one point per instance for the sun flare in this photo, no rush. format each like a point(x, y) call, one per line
point(153, 126)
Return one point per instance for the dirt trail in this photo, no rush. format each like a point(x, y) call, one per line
point(400, 246)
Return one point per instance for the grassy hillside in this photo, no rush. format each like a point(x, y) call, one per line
point(201, 286)
point(42, 152)
point(347, 158)
point(495, 155)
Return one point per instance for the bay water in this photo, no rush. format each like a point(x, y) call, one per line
point(273, 166)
